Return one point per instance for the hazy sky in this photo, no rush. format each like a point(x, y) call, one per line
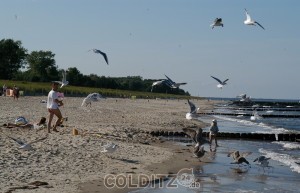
point(150, 38)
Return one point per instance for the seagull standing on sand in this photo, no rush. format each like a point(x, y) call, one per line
point(102, 53)
point(250, 21)
point(91, 98)
point(173, 84)
point(239, 158)
point(26, 146)
point(217, 22)
point(193, 112)
point(109, 148)
point(221, 83)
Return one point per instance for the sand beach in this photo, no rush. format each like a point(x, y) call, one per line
point(74, 163)
point(65, 161)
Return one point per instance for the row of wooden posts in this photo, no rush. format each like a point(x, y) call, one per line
point(226, 135)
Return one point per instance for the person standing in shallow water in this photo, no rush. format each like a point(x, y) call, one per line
point(53, 105)
point(213, 131)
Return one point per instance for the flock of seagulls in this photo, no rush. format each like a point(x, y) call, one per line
point(248, 21)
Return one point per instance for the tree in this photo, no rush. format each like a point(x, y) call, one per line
point(41, 66)
point(12, 58)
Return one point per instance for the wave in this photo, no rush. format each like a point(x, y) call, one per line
point(283, 158)
point(288, 145)
point(267, 128)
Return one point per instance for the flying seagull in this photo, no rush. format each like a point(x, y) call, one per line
point(26, 146)
point(250, 21)
point(156, 83)
point(217, 22)
point(221, 83)
point(102, 53)
point(193, 111)
point(64, 81)
point(239, 158)
point(93, 97)
point(172, 84)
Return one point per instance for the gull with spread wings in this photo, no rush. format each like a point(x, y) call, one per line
point(238, 157)
point(217, 22)
point(93, 97)
point(102, 53)
point(221, 83)
point(193, 111)
point(173, 84)
point(196, 136)
point(26, 146)
point(250, 21)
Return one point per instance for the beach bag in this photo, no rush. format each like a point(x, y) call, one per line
point(21, 121)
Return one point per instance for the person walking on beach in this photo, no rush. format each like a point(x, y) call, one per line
point(53, 105)
point(213, 131)
point(16, 92)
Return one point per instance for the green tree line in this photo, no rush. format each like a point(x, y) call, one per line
point(40, 66)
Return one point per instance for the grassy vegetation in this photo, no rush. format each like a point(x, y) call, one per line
point(42, 89)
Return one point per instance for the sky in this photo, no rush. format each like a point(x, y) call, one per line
point(151, 38)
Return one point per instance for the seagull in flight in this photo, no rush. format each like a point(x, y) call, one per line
point(221, 83)
point(109, 148)
point(250, 21)
point(102, 53)
point(173, 84)
point(156, 83)
point(26, 146)
point(193, 112)
point(217, 22)
point(64, 81)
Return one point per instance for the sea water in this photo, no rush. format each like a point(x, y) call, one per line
point(283, 175)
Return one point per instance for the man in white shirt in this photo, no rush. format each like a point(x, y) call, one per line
point(53, 105)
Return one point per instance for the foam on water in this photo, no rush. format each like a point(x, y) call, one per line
point(283, 158)
point(288, 145)
point(267, 128)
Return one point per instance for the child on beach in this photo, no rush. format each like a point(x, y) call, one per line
point(53, 104)
point(23, 123)
point(213, 131)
